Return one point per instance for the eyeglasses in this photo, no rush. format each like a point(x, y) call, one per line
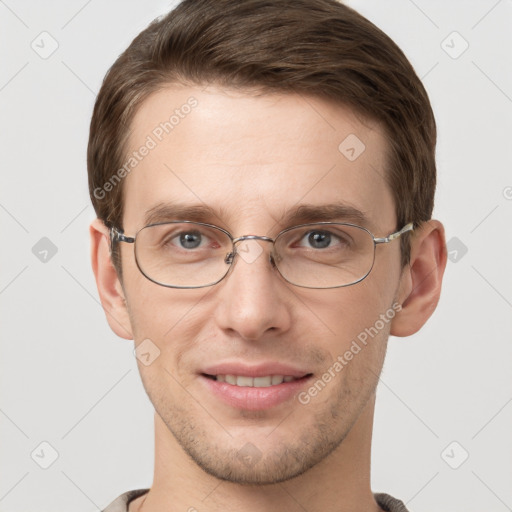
point(186, 254)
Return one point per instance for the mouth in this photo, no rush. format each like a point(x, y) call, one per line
point(254, 392)
point(254, 382)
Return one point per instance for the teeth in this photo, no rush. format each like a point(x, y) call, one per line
point(262, 382)
point(256, 382)
point(277, 379)
point(244, 381)
point(230, 379)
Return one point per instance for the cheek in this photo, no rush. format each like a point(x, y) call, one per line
point(166, 322)
point(165, 314)
point(154, 310)
point(346, 313)
point(387, 279)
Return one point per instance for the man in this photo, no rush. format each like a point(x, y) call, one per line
point(263, 175)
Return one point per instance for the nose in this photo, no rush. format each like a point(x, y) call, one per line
point(253, 299)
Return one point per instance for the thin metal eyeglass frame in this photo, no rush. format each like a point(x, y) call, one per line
point(117, 235)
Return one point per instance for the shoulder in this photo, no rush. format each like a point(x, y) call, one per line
point(388, 503)
point(120, 504)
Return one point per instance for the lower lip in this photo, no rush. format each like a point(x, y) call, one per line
point(252, 398)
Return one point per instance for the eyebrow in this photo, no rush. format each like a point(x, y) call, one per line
point(306, 213)
point(164, 212)
point(302, 214)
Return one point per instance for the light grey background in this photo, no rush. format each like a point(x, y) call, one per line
point(67, 380)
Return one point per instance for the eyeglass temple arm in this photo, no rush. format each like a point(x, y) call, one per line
point(385, 240)
point(117, 235)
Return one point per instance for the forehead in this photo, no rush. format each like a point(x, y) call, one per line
point(252, 159)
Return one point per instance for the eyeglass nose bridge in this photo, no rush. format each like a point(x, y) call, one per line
point(231, 256)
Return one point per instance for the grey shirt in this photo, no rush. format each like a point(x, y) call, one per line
point(120, 504)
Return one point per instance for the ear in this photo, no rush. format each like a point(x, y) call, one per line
point(420, 283)
point(109, 287)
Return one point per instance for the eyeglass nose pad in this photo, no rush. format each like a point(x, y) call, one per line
point(272, 260)
point(229, 258)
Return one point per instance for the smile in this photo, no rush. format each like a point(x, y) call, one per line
point(256, 382)
point(254, 393)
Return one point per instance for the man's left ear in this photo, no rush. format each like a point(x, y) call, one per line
point(420, 283)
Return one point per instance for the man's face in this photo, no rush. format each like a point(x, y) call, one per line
point(254, 159)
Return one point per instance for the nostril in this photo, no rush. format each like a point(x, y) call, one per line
point(274, 259)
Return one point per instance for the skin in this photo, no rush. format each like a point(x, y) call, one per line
point(253, 158)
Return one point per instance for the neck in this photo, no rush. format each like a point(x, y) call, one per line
point(339, 483)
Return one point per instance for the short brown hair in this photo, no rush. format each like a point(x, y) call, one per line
point(315, 47)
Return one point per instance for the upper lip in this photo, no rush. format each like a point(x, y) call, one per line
point(255, 370)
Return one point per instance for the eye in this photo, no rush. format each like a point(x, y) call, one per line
point(319, 239)
point(189, 240)
point(184, 241)
point(322, 239)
